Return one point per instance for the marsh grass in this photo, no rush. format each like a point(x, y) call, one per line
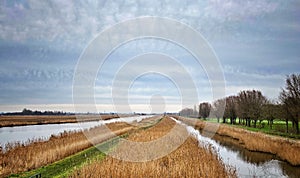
point(189, 160)
point(9, 121)
point(284, 148)
point(16, 157)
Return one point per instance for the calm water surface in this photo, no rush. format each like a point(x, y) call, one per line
point(247, 163)
point(25, 133)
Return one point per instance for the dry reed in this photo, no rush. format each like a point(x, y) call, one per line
point(9, 121)
point(285, 148)
point(16, 157)
point(189, 160)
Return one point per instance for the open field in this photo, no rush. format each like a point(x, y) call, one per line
point(8, 121)
point(16, 158)
point(190, 159)
point(278, 127)
point(286, 149)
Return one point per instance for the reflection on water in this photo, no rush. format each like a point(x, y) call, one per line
point(251, 163)
point(246, 163)
point(254, 157)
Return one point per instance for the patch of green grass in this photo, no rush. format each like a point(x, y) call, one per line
point(272, 132)
point(151, 124)
point(64, 167)
point(278, 127)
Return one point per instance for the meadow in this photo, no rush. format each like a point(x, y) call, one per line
point(278, 127)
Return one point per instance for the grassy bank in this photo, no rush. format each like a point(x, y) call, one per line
point(189, 160)
point(286, 149)
point(65, 167)
point(16, 158)
point(278, 128)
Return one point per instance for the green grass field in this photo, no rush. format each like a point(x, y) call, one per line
point(278, 127)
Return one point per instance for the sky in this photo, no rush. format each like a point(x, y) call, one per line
point(256, 42)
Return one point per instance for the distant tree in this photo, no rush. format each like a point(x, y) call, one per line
point(27, 112)
point(250, 104)
point(195, 111)
point(272, 111)
point(186, 112)
point(290, 98)
point(231, 109)
point(218, 108)
point(204, 110)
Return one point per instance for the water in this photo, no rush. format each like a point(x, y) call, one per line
point(253, 163)
point(24, 133)
point(247, 163)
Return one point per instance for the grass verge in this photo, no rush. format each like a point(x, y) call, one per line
point(278, 128)
point(65, 167)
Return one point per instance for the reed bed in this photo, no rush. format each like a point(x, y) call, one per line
point(17, 157)
point(189, 160)
point(9, 121)
point(285, 148)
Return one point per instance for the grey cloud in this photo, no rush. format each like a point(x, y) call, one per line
point(76, 20)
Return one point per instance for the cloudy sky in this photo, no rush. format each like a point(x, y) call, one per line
point(257, 43)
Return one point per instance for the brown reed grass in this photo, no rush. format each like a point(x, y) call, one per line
point(9, 121)
point(188, 160)
point(16, 157)
point(285, 148)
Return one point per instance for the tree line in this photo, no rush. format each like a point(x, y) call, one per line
point(250, 106)
point(30, 112)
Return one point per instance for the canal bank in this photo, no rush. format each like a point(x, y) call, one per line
point(230, 144)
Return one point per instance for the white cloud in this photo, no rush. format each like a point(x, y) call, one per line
point(72, 24)
point(236, 10)
point(145, 108)
point(76, 22)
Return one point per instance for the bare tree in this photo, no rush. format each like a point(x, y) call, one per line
point(231, 108)
point(290, 98)
point(204, 110)
point(218, 108)
point(250, 104)
point(271, 111)
point(195, 111)
point(186, 112)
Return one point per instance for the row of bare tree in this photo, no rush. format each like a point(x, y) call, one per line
point(251, 106)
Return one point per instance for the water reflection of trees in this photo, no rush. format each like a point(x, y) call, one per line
point(256, 158)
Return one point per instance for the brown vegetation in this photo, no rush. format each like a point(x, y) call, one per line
point(286, 149)
point(7, 121)
point(189, 160)
point(16, 158)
